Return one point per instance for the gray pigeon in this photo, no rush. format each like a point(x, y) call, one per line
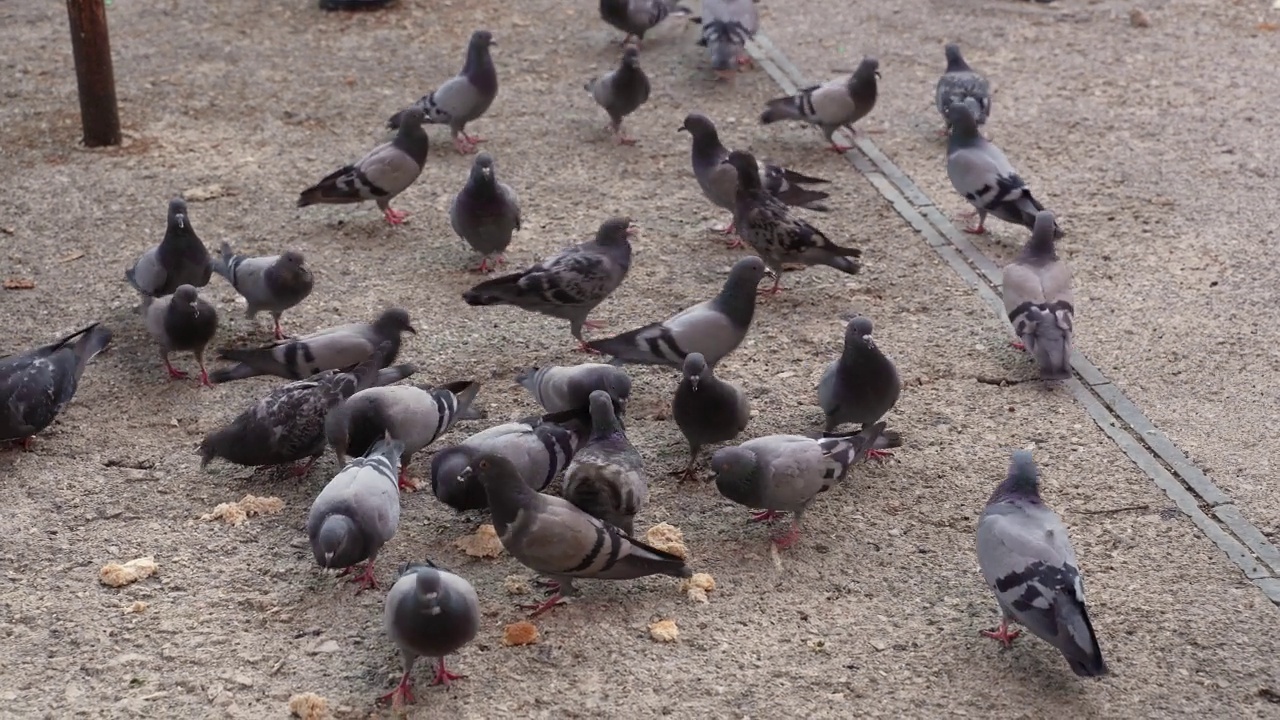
point(637, 17)
point(621, 92)
point(357, 512)
point(561, 389)
point(384, 173)
point(182, 321)
point(768, 227)
point(1028, 562)
point(606, 478)
point(836, 104)
point(983, 175)
point(485, 213)
point(288, 424)
point(463, 97)
point(862, 385)
point(331, 349)
point(37, 384)
point(551, 536)
point(538, 449)
point(272, 284)
point(719, 180)
point(726, 26)
point(784, 473)
point(707, 409)
point(961, 84)
point(180, 259)
point(569, 284)
point(1039, 301)
point(429, 612)
point(714, 328)
point(415, 416)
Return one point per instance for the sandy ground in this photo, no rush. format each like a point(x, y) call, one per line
point(876, 612)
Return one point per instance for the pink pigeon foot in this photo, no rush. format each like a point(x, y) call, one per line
point(765, 516)
point(174, 373)
point(877, 454)
point(24, 443)
point(544, 606)
point(304, 468)
point(365, 579)
point(1017, 345)
point(403, 693)
point(404, 482)
point(486, 266)
point(395, 217)
point(1003, 633)
point(278, 331)
point(838, 148)
point(443, 676)
point(583, 347)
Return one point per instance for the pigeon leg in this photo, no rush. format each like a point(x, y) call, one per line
point(278, 331)
point(463, 145)
point(838, 148)
point(24, 443)
point(365, 579)
point(303, 469)
point(544, 606)
point(174, 373)
point(765, 516)
point(1017, 345)
point(402, 693)
point(594, 325)
point(395, 217)
point(473, 139)
point(204, 374)
point(443, 676)
point(484, 266)
point(553, 585)
point(877, 454)
point(1003, 633)
point(584, 348)
point(978, 229)
point(735, 241)
point(775, 289)
point(404, 482)
point(622, 138)
point(788, 538)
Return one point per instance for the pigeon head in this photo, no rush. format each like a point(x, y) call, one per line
point(1022, 481)
point(338, 543)
point(631, 58)
point(745, 276)
point(1047, 336)
point(736, 469)
point(964, 125)
point(604, 421)
point(394, 320)
point(185, 296)
point(492, 471)
point(618, 384)
point(857, 334)
point(748, 170)
point(698, 125)
point(867, 70)
point(724, 55)
point(177, 213)
point(615, 231)
point(427, 584)
point(955, 61)
point(1043, 231)
point(694, 365)
point(482, 169)
point(447, 485)
point(481, 39)
point(291, 270)
point(411, 119)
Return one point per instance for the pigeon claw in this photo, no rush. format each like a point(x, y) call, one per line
point(278, 331)
point(734, 243)
point(765, 516)
point(1017, 345)
point(174, 373)
point(443, 676)
point(583, 347)
point(403, 693)
point(464, 145)
point(395, 217)
point(1002, 633)
point(544, 606)
point(877, 454)
point(365, 579)
point(304, 468)
point(838, 148)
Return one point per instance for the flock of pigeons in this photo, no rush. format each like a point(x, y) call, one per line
point(341, 393)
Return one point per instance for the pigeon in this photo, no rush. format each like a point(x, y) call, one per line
point(569, 284)
point(180, 259)
point(463, 97)
point(786, 472)
point(551, 536)
point(485, 213)
point(726, 26)
point(637, 17)
point(429, 612)
point(413, 415)
point(1027, 560)
point(861, 386)
point(768, 227)
point(983, 175)
point(38, 383)
point(381, 175)
point(606, 478)
point(1039, 301)
point(560, 389)
point(288, 424)
point(357, 512)
point(961, 84)
point(537, 448)
point(182, 321)
point(330, 349)
point(836, 104)
point(714, 328)
point(621, 92)
point(273, 284)
point(719, 180)
point(707, 409)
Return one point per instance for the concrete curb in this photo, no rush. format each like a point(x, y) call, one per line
point(1187, 486)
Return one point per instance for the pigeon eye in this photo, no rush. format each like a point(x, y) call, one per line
point(484, 464)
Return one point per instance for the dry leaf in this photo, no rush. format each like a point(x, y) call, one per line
point(309, 706)
point(19, 284)
point(520, 633)
point(70, 256)
point(483, 544)
point(668, 538)
point(235, 513)
point(1268, 26)
point(117, 575)
point(664, 631)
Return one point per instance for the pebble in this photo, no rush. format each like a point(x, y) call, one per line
point(327, 646)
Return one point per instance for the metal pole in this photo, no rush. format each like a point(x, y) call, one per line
point(94, 77)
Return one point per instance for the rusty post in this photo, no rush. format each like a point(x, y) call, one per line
point(94, 77)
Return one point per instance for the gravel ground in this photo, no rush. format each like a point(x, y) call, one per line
point(875, 612)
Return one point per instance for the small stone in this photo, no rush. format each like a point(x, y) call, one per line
point(1138, 18)
point(326, 646)
point(879, 645)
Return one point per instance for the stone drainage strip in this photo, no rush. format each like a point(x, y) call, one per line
point(1212, 510)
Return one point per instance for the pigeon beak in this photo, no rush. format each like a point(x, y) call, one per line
point(682, 128)
point(693, 382)
point(465, 474)
point(769, 273)
point(410, 329)
point(182, 220)
point(877, 74)
point(328, 559)
point(487, 172)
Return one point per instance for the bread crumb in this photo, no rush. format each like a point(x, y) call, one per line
point(664, 631)
point(235, 513)
point(520, 633)
point(698, 586)
point(668, 538)
point(516, 585)
point(309, 706)
point(117, 575)
point(483, 544)
point(135, 607)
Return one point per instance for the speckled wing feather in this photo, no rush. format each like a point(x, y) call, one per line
point(38, 384)
point(962, 84)
point(606, 477)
